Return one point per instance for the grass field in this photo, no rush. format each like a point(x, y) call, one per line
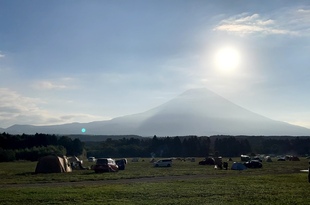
point(275, 183)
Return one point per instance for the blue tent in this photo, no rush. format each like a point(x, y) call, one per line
point(238, 166)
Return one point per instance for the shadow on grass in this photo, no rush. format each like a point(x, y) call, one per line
point(25, 174)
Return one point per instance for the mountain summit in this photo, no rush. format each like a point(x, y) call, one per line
point(195, 112)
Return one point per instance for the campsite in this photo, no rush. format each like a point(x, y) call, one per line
point(185, 182)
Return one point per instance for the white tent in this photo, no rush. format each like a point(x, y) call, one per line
point(268, 159)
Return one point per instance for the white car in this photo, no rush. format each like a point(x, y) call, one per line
point(163, 163)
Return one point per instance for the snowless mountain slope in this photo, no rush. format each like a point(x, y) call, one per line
point(195, 112)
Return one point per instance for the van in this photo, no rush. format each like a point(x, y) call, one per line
point(163, 163)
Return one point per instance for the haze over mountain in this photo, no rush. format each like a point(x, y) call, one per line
point(195, 112)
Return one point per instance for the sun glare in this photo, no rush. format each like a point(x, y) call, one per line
point(227, 59)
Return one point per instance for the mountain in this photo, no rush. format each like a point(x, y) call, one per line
point(195, 112)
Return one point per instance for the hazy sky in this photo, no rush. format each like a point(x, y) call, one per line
point(82, 61)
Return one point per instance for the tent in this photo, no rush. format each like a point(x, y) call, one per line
point(207, 161)
point(73, 159)
point(268, 159)
point(76, 163)
point(53, 164)
point(238, 166)
point(293, 158)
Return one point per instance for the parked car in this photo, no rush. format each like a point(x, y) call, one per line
point(245, 158)
point(253, 164)
point(91, 159)
point(257, 158)
point(163, 163)
point(121, 164)
point(105, 165)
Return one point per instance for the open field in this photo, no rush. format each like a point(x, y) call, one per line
point(183, 183)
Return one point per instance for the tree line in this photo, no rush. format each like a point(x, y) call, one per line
point(150, 147)
point(296, 146)
point(275, 145)
point(32, 147)
point(193, 146)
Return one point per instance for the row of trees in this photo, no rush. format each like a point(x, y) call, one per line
point(230, 147)
point(226, 146)
point(32, 147)
point(277, 145)
point(297, 146)
point(31, 154)
point(151, 147)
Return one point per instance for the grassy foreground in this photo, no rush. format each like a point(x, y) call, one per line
point(276, 183)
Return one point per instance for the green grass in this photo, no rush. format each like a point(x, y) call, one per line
point(23, 172)
point(276, 183)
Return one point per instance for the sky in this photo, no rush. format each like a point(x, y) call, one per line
point(82, 61)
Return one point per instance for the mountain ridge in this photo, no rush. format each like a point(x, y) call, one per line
point(194, 112)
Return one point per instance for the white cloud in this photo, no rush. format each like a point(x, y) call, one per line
point(59, 84)
point(18, 109)
point(9, 98)
point(300, 21)
point(2, 55)
point(2, 69)
point(13, 106)
point(305, 124)
point(286, 22)
point(46, 85)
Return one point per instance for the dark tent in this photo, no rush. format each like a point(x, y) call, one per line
point(53, 164)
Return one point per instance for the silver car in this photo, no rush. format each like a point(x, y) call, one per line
point(163, 163)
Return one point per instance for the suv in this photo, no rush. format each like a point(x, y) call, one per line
point(163, 163)
point(105, 165)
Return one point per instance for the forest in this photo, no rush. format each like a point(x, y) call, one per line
point(151, 147)
point(32, 147)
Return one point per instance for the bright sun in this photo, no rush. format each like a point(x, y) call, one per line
point(227, 59)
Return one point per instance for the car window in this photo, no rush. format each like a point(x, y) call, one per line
point(167, 160)
point(102, 161)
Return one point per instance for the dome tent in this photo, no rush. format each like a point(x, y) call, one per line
point(238, 166)
point(53, 164)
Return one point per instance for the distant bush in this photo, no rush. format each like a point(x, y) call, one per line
point(7, 155)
